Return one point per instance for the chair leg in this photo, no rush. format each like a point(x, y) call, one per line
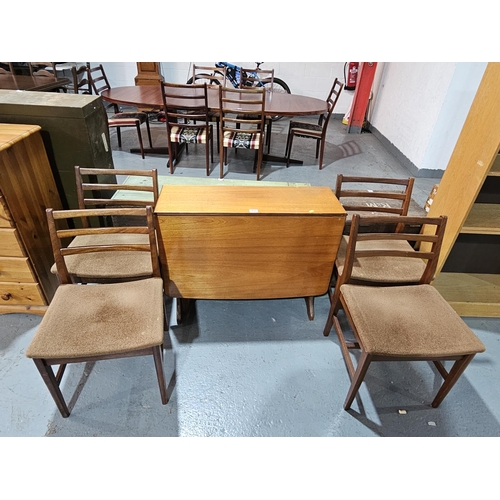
point(52, 385)
point(456, 370)
point(223, 154)
point(119, 136)
point(207, 156)
point(357, 379)
point(149, 132)
point(321, 153)
point(158, 357)
point(310, 307)
point(269, 129)
point(139, 135)
point(289, 145)
point(334, 309)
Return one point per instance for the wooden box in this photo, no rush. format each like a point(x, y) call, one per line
point(248, 242)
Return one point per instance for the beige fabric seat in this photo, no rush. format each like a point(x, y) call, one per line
point(103, 321)
point(383, 314)
point(395, 321)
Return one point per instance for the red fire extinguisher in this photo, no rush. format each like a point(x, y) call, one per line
point(352, 75)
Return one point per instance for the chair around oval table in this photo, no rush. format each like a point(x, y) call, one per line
point(314, 131)
point(187, 119)
point(242, 121)
point(99, 83)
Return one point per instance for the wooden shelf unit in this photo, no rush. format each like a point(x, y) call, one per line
point(468, 274)
point(27, 188)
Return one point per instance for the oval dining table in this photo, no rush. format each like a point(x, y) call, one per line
point(277, 104)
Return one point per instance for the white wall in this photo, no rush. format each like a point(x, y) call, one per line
point(420, 107)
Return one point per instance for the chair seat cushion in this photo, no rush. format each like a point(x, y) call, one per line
point(112, 265)
point(97, 320)
point(189, 135)
point(412, 321)
point(241, 140)
point(381, 269)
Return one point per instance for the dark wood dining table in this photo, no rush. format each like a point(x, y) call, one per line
point(277, 104)
point(32, 83)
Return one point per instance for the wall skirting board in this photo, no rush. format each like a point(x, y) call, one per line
point(414, 171)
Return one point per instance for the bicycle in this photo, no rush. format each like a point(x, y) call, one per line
point(234, 75)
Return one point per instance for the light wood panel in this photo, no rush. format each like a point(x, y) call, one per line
point(483, 218)
point(471, 294)
point(16, 269)
point(10, 246)
point(231, 242)
point(476, 150)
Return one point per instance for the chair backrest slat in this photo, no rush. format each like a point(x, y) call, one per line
point(379, 225)
point(60, 237)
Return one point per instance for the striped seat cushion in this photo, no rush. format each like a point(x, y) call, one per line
point(241, 140)
point(188, 135)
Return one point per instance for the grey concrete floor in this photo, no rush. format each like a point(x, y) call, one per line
point(252, 368)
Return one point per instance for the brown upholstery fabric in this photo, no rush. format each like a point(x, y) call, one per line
point(381, 269)
point(109, 264)
point(94, 320)
point(412, 321)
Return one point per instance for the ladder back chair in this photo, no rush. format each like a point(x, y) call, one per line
point(314, 131)
point(106, 321)
point(401, 322)
point(80, 83)
point(253, 77)
point(99, 188)
point(187, 119)
point(212, 76)
point(242, 121)
point(99, 83)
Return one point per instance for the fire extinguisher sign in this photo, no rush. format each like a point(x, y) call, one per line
point(352, 75)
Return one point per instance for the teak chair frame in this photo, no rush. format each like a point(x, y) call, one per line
point(99, 84)
point(242, 111)
point(186, 112)
point(44, 365)
point(430, 253)
point(314, 131)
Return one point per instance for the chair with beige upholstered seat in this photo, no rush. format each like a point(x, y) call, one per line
point(393, 322)
point(106, 321)
point(100, 188)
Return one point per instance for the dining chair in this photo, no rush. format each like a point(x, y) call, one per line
point(100, 188)
point(187, 119)
point(314, 131)
point(42, 69)
point(99, 83)
point(213, 76)
point(252, 77)
point(4, 70)
point(80, 82)
point(107, 321)
point(399, 322)
point(242, 121)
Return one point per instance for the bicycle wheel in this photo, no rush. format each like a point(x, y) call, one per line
point(202, 78)
point(278, 86)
